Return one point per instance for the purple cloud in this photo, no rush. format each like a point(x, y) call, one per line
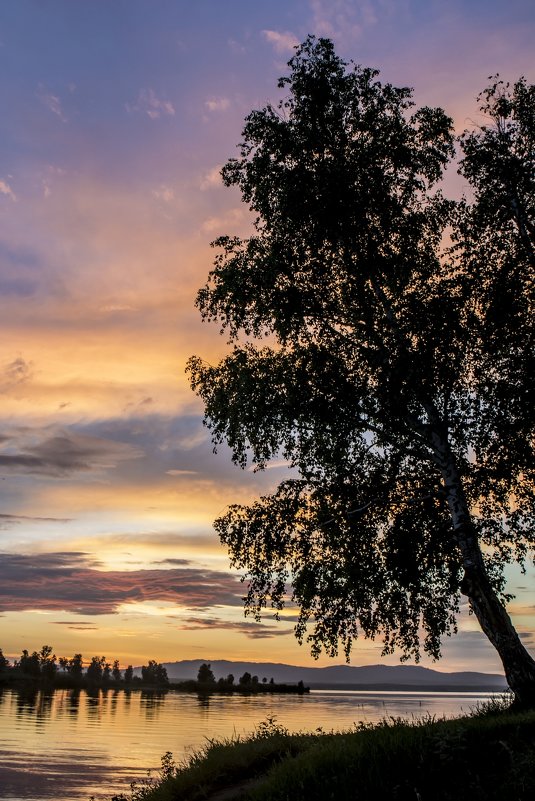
point(254, 631)
point(70, 582)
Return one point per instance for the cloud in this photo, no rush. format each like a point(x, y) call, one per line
point(231, 217)
point(52, 102)
point(254, 631)
point(7, 519)
point(57, 452)
point(164, 193)
point(114, 308)
point(282, 41)
point(341, 19)
point(174, 472)
point(70, 582)
point(211, 179)
point(157, 541)
point(152, 105)
point(83, 625)
point(15, 372)
point(236, 47)
point(5, 189)
point(217, 103)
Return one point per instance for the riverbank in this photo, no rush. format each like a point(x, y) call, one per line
point(489, 756)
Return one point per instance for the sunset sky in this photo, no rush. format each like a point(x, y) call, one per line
point(116, 118)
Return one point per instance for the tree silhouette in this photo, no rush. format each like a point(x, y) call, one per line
point(245, 680)
point(47, 662)
point(205, 674)
point(95, 669)
point(154, 673)
point(76, 666)
point(30, 664)
point(116, 672)
point(398, 379)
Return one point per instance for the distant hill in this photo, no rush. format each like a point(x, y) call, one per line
point(344, 676)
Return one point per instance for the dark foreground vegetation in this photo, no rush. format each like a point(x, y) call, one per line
point(489, 756)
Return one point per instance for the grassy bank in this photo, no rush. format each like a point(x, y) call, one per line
point(484, 757)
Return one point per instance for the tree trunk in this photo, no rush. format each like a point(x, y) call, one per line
point(518, 665)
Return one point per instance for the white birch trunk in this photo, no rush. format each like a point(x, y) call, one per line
point(519, 666)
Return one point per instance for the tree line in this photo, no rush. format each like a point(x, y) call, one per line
point(43, 665)
point(207, 682)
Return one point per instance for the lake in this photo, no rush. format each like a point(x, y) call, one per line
point(72, 744)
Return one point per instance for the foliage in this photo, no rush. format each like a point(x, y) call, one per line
point(154, 673)
point(42, 666)
point(30, 664)
point(75, 666)
point(377, 381)
point(205, 674)
point(4, 663)
point(495, 245)
point(47, 662)
point(95, 669)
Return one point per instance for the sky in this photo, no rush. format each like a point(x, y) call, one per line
point(117, 116)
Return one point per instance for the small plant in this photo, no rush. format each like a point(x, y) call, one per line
point(143, 788)
point(493, 706)
point(270, 728)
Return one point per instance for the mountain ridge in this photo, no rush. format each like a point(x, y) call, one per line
point(410, 676)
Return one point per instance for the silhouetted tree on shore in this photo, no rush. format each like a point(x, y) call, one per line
point(30, 664)
point(205, 674)
point(94, 672)
point(116, 672)
point(47, 663)
point(398, 378)
point(154, 673)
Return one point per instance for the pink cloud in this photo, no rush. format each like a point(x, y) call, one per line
point(282, 41)
point(70, 582)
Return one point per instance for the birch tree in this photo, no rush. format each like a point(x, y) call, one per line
point(391, 372)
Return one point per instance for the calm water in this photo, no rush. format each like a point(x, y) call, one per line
point(71, 745)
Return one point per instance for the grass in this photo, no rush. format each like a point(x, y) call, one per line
point(488, 756)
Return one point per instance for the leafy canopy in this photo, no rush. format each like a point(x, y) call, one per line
point(379, 344)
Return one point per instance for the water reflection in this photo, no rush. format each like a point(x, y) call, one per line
point(113, 702)
point(203, 699)
point(73, 702)
point(151, 703)
point(27, 701)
